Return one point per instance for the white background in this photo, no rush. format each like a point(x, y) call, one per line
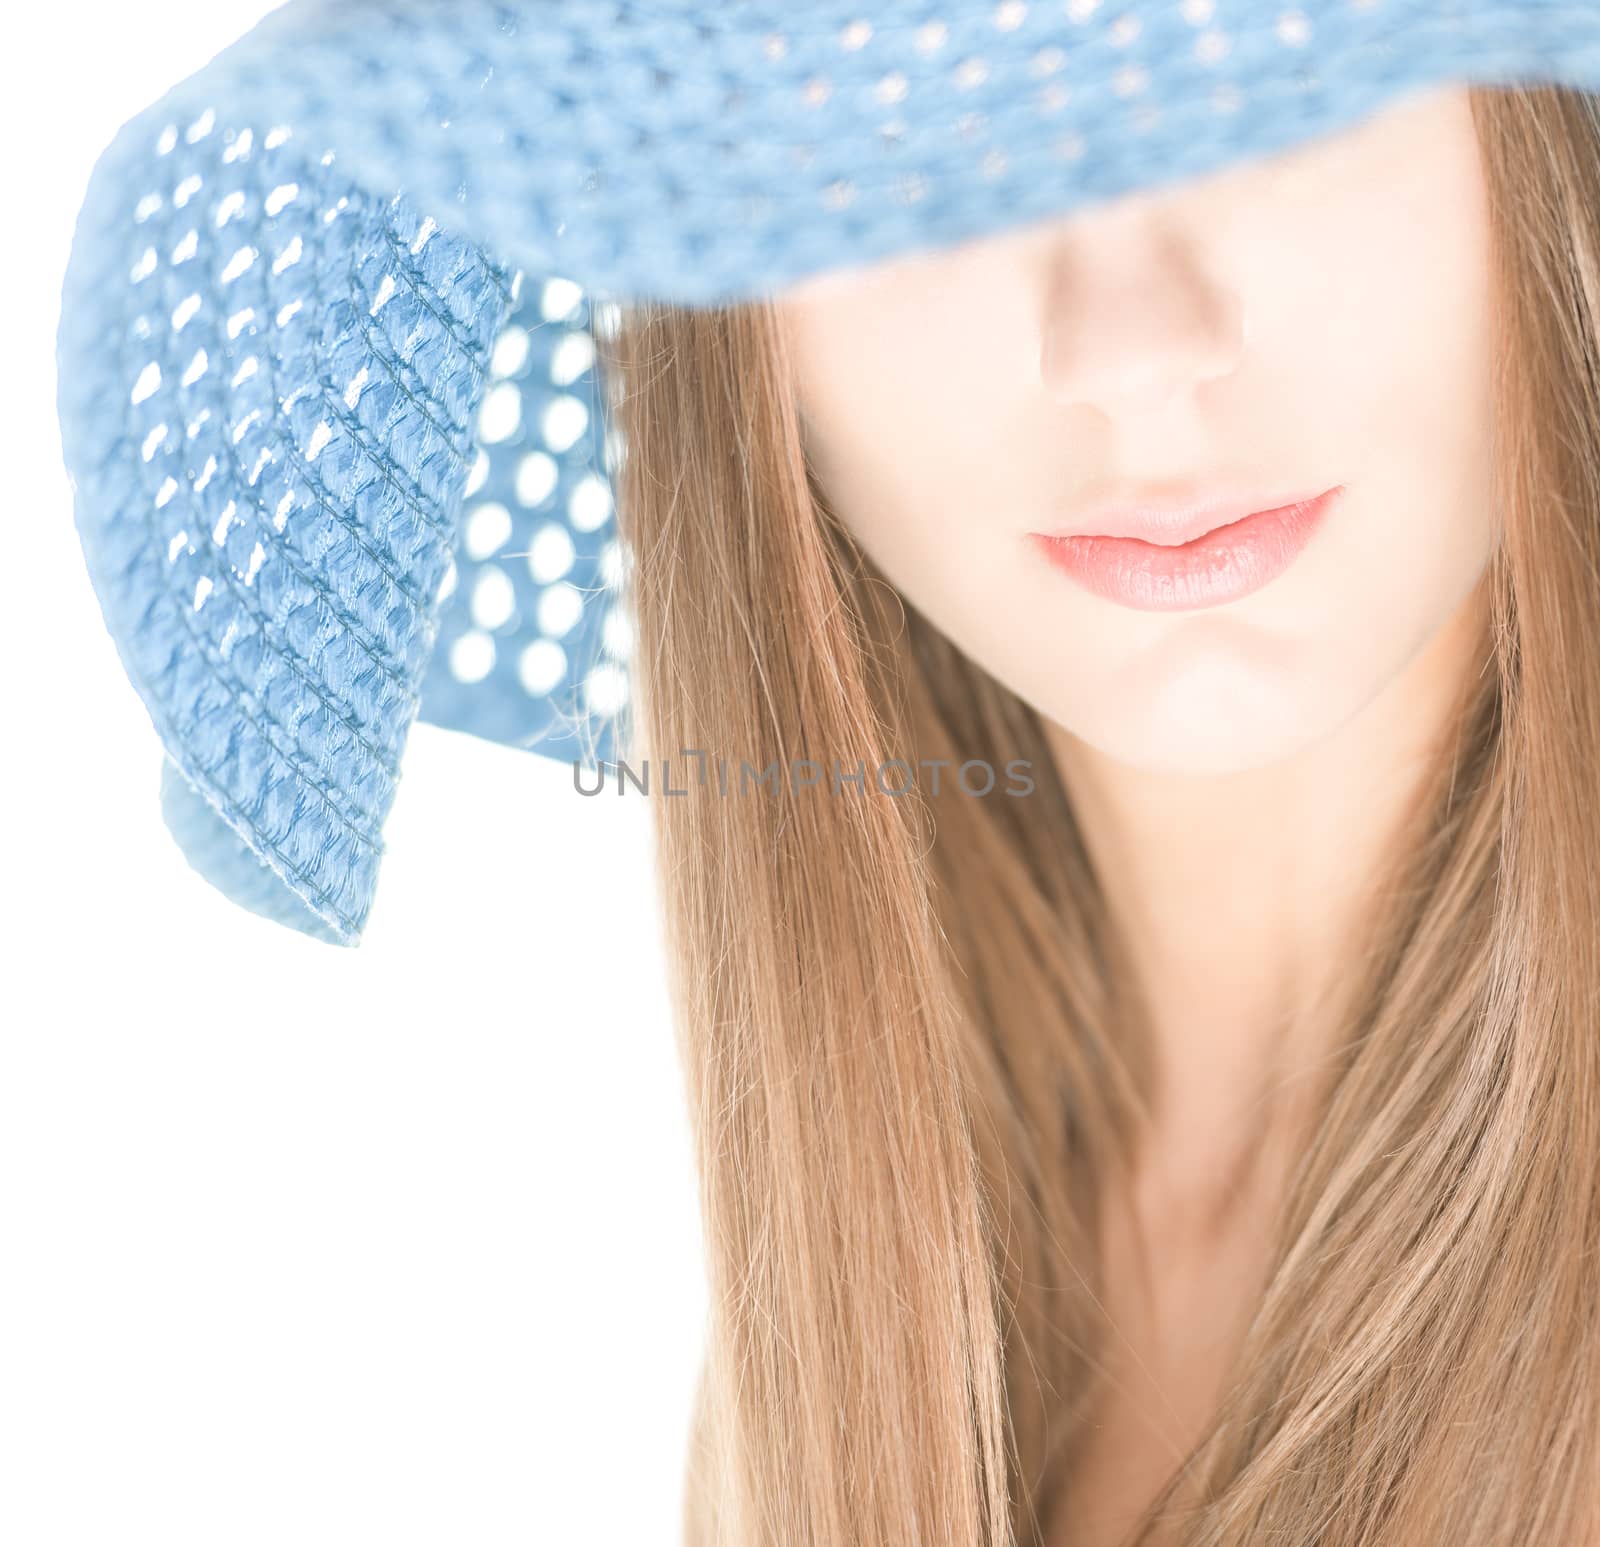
point(303, 1244)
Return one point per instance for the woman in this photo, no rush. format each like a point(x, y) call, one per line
point(1180, 1123)
point(1200, 1148)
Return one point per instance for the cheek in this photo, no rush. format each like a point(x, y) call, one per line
point(1430, 417)
point(1375, 340)
point(1375, 300)
point(923, 478)
point(1423, 354)
point(920, 391)
point(862, 430)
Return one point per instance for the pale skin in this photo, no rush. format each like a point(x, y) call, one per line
point(1239, 769)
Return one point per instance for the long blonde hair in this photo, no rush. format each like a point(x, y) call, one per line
point(909, 1063)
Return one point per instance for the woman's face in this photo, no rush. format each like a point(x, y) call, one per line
point(1317, 321)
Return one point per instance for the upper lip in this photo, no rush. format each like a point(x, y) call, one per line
point(1173, 513)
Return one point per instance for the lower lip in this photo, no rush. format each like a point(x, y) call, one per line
point(1225, 564)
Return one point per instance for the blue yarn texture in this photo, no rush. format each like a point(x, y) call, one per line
point(327, 390)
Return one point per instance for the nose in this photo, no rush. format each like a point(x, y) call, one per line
point(1132, 317)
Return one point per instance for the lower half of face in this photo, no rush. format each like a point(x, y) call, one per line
point(1385, 565)
point(1318, 325)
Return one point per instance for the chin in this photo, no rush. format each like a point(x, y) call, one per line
point(1188, 734)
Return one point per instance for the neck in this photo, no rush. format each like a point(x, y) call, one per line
point(1233, 895)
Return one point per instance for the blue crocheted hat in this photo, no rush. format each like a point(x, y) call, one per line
point(327, 379)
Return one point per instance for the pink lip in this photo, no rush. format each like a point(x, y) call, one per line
point(1178, 556)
